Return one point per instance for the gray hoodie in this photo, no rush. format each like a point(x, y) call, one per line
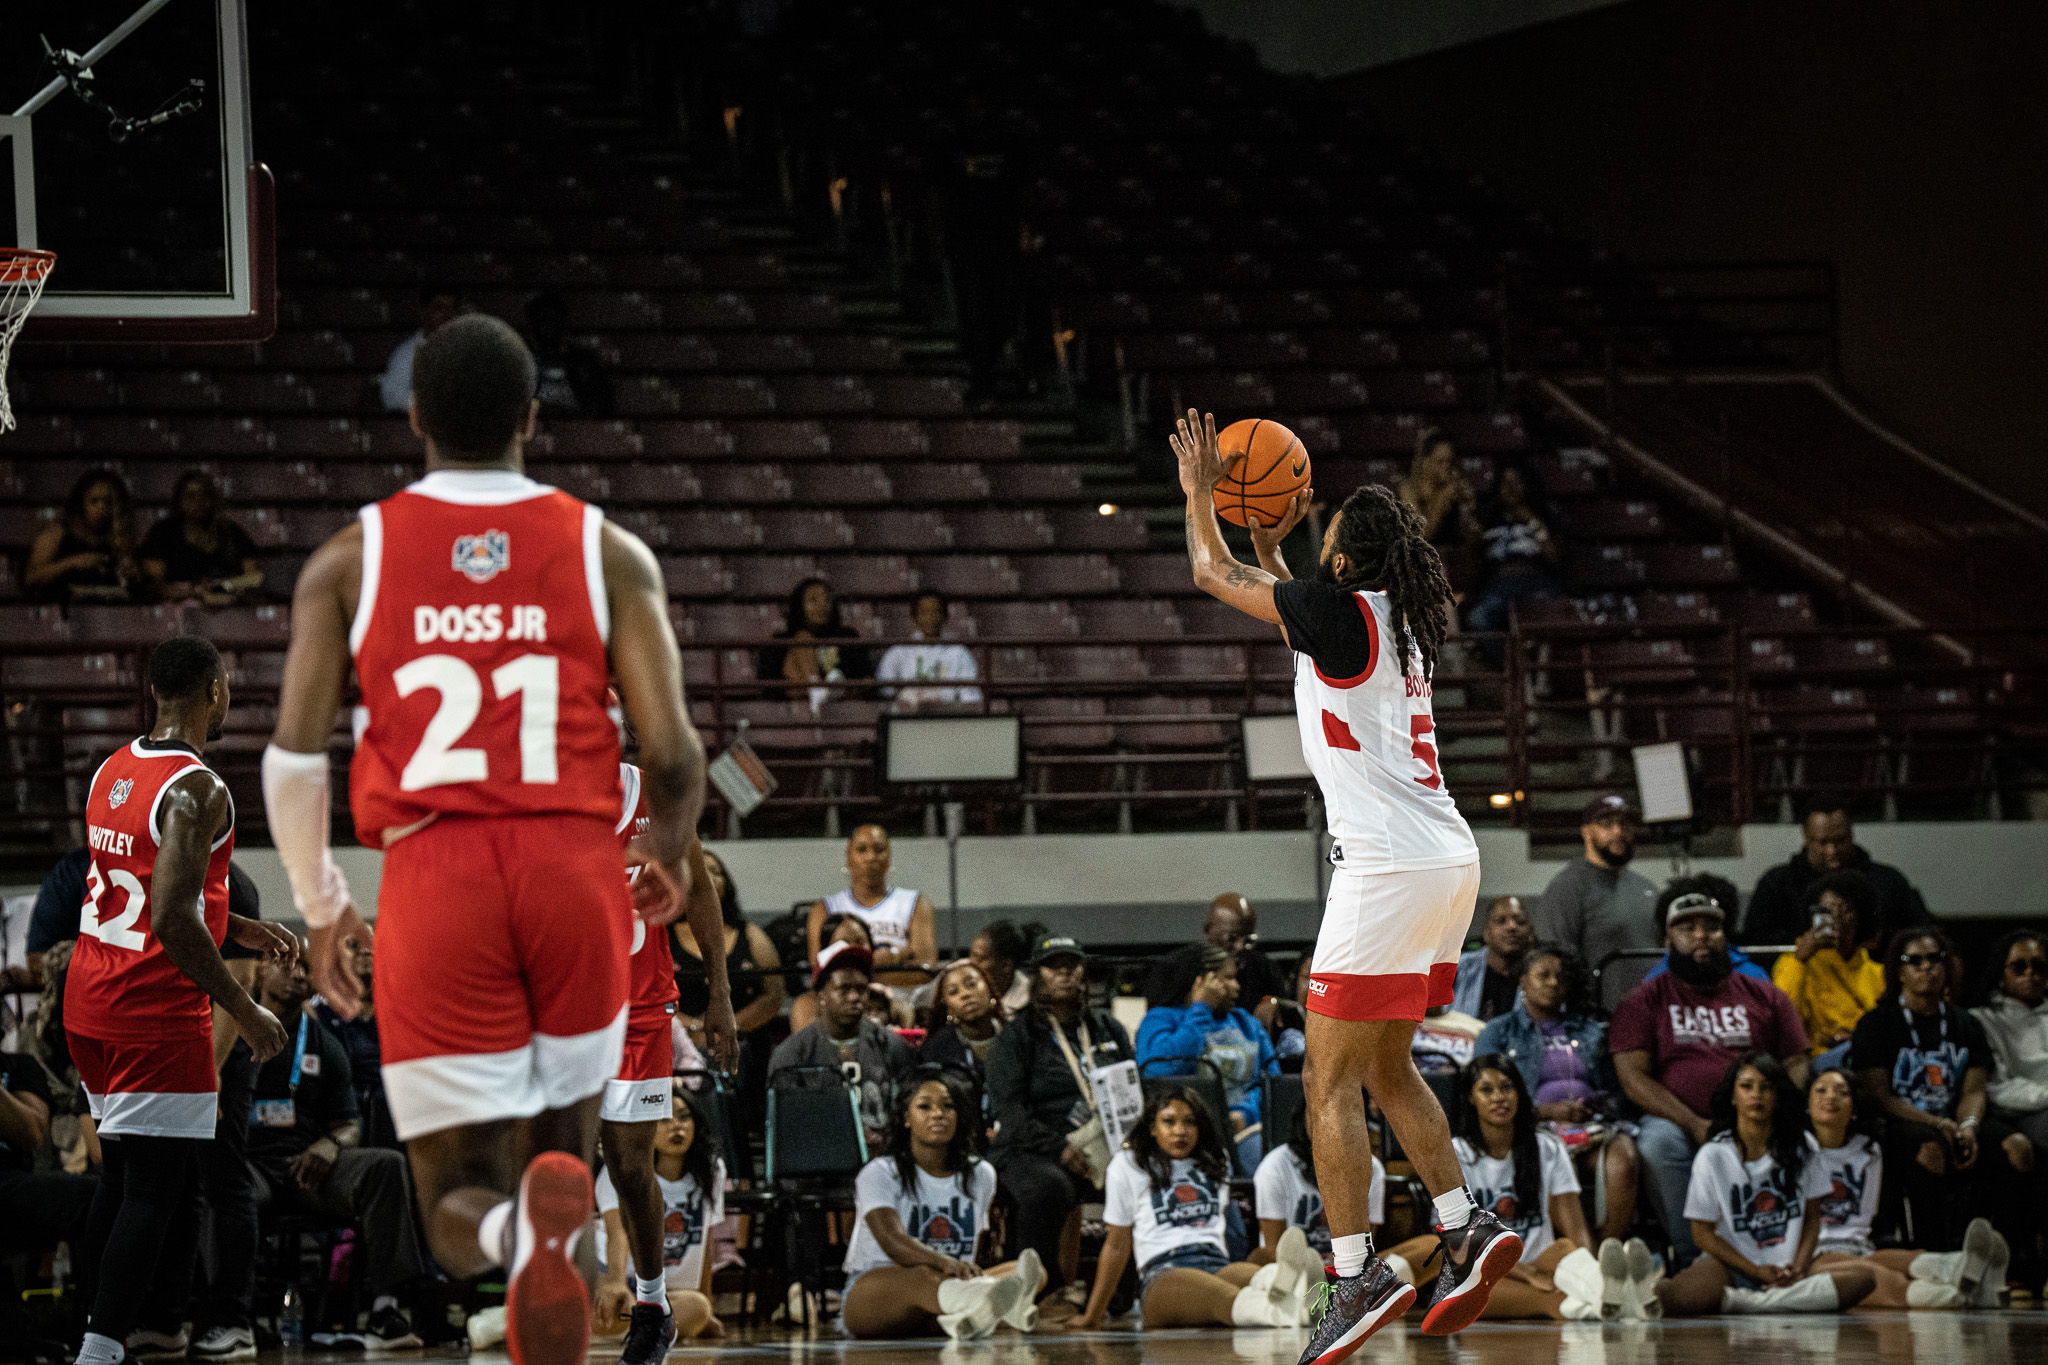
point(2019, 1043)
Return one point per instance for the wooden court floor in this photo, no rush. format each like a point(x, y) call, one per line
point(2008, 1338)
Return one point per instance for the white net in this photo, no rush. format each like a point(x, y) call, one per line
point(22, 274)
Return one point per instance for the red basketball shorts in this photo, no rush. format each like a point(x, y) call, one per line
point(501, 968)
point(640, 1092)
point(164, 1087)
point(1388, 948)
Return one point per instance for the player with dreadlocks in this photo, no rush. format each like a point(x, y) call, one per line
point(1407, 872)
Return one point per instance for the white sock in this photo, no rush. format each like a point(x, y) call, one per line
point(382, 1302)
point(1403, 1272)
point(490, 1233)
point(1348, 1253)
point(100, 1350)
point(1455, 1209)
point(650, 1291)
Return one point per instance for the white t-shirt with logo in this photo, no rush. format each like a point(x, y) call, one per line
point(686, 1218)
point(1281, 1191)
point(938, 1212)
point(1754, 1205)
point(1854, 1170)
point(1186, 1211)
point(1492, 1182)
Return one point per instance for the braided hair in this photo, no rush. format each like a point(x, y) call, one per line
point(1382, 538)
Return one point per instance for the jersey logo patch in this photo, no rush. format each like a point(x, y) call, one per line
point(1337, 734)
point(482, 558)
point(119, 792)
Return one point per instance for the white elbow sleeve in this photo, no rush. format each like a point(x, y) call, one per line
point(296, 797)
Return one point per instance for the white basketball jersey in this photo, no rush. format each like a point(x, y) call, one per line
point(1371, 743)
point(888, 920)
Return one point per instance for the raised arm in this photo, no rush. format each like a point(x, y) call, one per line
point(1217, 571)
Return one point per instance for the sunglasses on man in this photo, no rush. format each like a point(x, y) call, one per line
point(2027, 966)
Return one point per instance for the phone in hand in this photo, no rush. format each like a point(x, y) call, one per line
point(1823, 923)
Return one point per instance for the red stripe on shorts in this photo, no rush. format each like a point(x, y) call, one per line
point(1443, 981)
point(1395, 995)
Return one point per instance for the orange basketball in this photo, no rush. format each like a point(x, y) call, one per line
point(1273, 470)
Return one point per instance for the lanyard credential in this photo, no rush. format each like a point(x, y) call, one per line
point(1913, 1029)
point(299, 1054)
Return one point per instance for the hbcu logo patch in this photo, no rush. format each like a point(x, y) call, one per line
point(119, 792)
point(482, 558)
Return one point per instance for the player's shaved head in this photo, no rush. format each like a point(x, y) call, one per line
point(181, 668)
point(473, 383)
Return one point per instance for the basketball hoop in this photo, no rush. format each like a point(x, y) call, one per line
point(22, 273)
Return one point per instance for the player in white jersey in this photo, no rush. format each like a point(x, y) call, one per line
point(1366, 632)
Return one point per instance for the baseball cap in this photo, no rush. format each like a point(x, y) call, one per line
point(1608, 807)
point(1694, 904)
point(1055, 945)
point(841, 954)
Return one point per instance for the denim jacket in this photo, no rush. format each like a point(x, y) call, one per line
point(1516, 1034)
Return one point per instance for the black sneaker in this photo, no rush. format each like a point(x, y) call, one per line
point(653, 1331)
point(388, 1330)
point(1346, 1311)
point(1475, 1258)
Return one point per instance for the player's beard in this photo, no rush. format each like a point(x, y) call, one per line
point(1326, 571)
point(216, 728)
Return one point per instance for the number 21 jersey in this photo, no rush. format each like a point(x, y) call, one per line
point(480, 642)
point(1369, 734)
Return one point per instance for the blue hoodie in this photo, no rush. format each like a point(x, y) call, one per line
point(1173, 1040)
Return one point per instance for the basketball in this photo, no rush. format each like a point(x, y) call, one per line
point(1273, 470)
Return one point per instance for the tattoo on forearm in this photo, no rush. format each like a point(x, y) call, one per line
point(1239, 576)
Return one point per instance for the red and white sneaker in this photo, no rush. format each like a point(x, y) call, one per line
point(1476, 1256)
point(547, 1306)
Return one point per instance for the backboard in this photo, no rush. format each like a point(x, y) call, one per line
point(146, 187)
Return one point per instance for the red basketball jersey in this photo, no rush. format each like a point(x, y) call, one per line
point(121, 986)
point(651, 981)
point(480, 644)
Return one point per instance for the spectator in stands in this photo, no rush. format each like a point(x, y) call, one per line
point(55, 916)
point(1524, 1176)
point(1843, 1116)
point(966, 1020)
point(1443, 497)
point(1597, 904)
point(439, 304)
point(1285, 1194)
point(1489, 975)
point(899, 920)
point(1164, 1204)
point(997, 950)
point(573, 381)
point(691, 1177)
point(920, 1214)
point(931, 660)
point(1560, 1047)
point(810, 622)
point(1780, 907)
point(2015, 1019)
point(358, 1038)
point(1929, 1063)
point(38, 1209)
point(1753, 1202)
point(1049, 1150)
point(194, 554)
point(845, 1041)
point(1674, 1039)
point(1721, 892)
point(752, 966)
point(803, 1011)
point(305, 1149)
point(1232, 924)
point(1518, 553)
point(1199, 1026)
point(88, 553)
point(1830, 972)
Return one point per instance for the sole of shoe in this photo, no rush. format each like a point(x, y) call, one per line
point(1996, 1265)
point(1979, 1245)
point(660, 1355)
point(1614, 1286)
point(547, 1307)
point(1031, 1274)
point(238, 1352)
point(1462, 1308)
point(1642, 1280)
point(1345, 1346)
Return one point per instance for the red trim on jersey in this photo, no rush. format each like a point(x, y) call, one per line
point(1338, 735)
point(1393, 995)
point(1372, 658)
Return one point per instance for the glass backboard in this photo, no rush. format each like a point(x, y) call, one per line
point(144, 183)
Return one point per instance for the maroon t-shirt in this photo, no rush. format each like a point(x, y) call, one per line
point(1694, 1036)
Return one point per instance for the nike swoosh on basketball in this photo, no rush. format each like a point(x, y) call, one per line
point(1299, 467)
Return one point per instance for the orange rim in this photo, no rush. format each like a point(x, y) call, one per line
point(24, 264)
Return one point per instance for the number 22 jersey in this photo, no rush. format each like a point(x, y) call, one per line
point(480, 641)
point(1369, 734)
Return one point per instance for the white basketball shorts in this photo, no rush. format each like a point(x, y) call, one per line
point(1389, 944)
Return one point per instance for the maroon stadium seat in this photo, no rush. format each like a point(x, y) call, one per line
point(896, 530)
point(686, 440)
point(968, 575)
point(791, 528)
point(770, 576)
point(1067, 575)
point(655, 483)
point(744, 485)
point(735, 620)
point(1026, 620)
point(243, 627)
point(1002, 530)
point(1036, 483)
point(869, 575)
point(125, 625)
point(1077, 528)
point(843, 485)
point(1145, 620)
point(878, 438)
point(1210, 662)
point(781, 440)
point(1097, 663)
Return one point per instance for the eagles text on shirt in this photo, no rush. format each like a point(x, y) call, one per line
point(1721, 1025)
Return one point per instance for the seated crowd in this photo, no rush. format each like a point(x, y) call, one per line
point(1827, 1119)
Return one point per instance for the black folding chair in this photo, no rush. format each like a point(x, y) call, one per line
point(816, 1147)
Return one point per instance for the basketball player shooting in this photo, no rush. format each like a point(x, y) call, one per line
point(483, 612)
point(1366, 632)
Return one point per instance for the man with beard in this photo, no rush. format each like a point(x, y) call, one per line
point(1675, 1036)
point(1597, 905)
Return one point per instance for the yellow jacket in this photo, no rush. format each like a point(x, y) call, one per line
point(1832, 994)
